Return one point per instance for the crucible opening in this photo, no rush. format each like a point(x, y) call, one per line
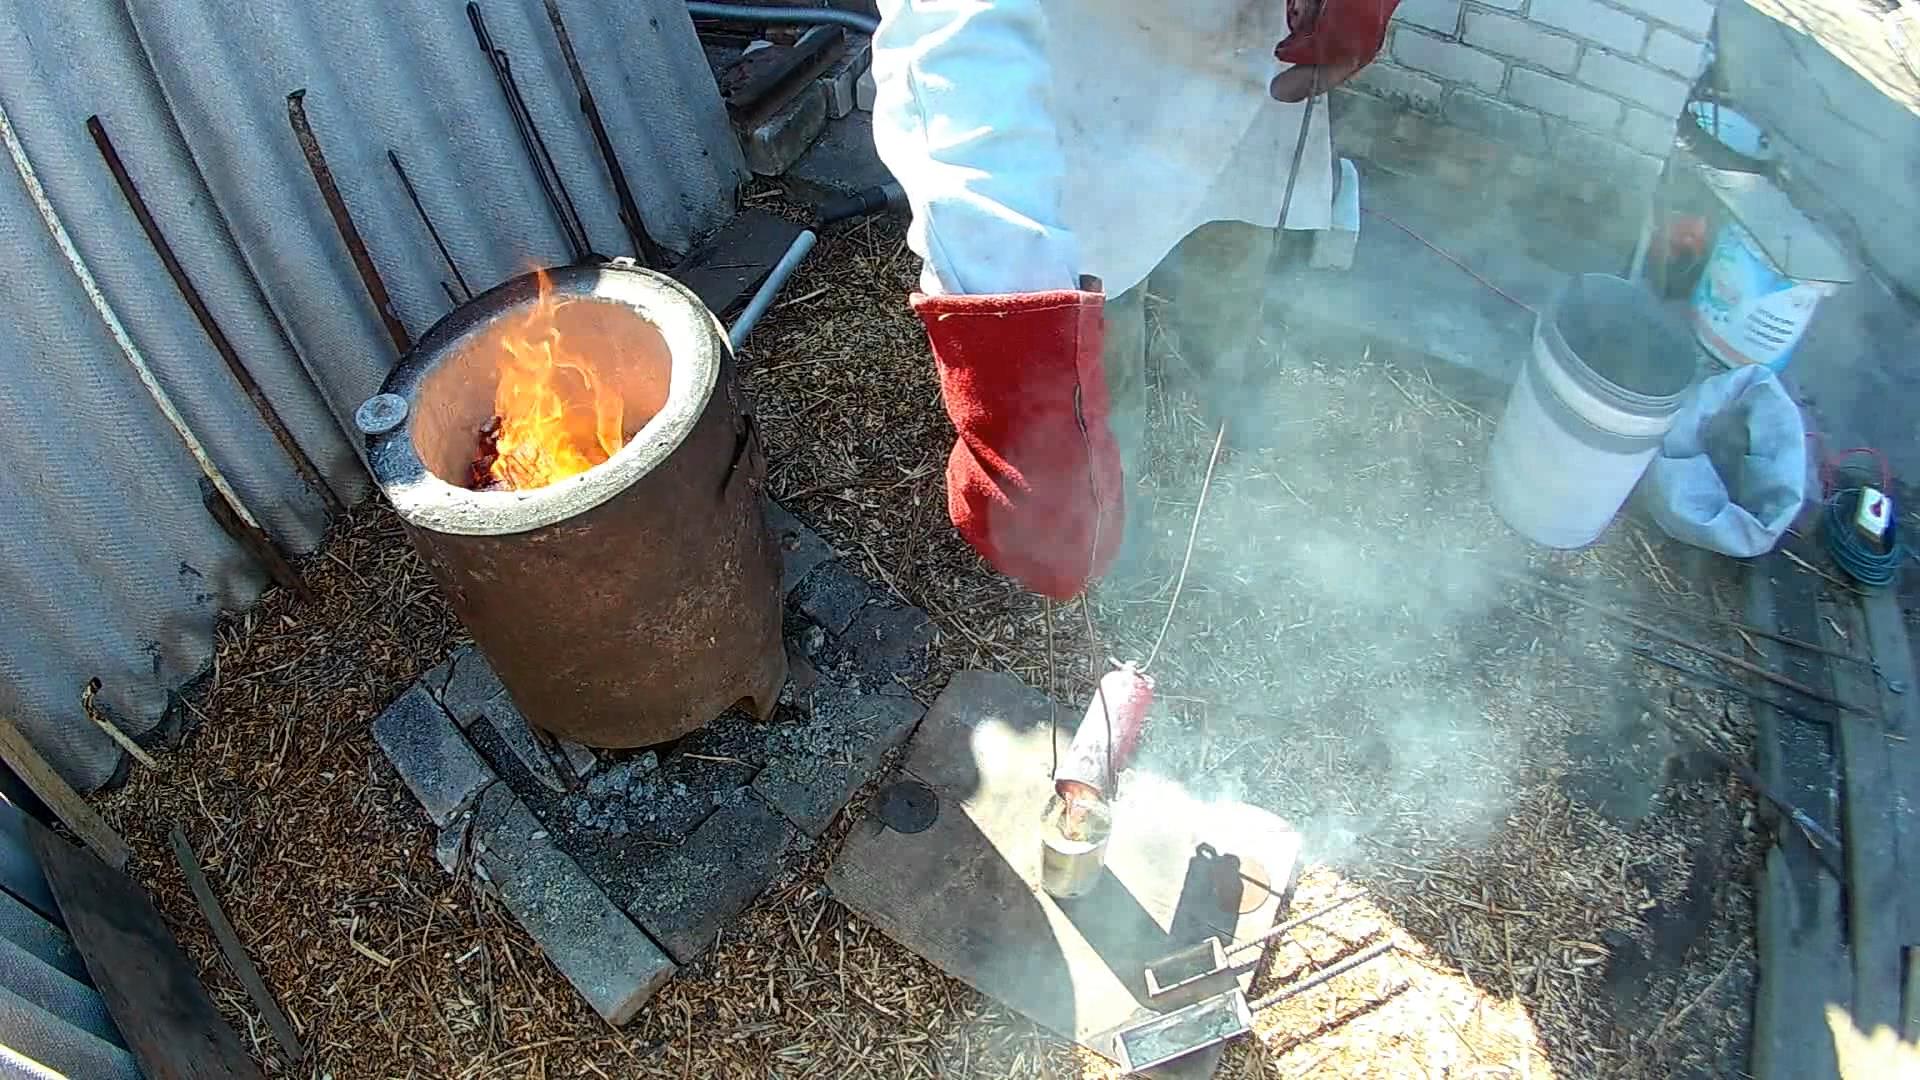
point(569, 382)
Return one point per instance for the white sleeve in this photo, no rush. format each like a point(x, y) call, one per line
point(962, 117)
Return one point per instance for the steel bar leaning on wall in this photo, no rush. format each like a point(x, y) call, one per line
point(221, 343)
point(265, 549)
point(343, 220)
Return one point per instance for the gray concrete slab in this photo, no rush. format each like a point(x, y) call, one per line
point(832, 595)
point(513, 729)
point(468, 686)
point(432, 756)
point(801, 549)
point(690, 891)
point(841, 162)
point(613, 965)
point(844, 746)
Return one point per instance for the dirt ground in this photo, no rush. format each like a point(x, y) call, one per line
point(1566, 877)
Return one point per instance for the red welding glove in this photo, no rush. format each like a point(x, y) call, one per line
point(1033, 481)
point(1338, 37)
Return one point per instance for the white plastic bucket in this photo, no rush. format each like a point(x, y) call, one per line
point(1594, 399)
point(1745, 311)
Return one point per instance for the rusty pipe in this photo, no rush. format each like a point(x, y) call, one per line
point(208, 325)
point(343, 221)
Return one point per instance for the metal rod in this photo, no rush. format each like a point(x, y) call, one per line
point(785, 16)
point(763, 299)
point(420, 208)
point(343, 221)
point(1290, 925)
point(208, 325)
point(260, 544)
point(1824, 843)
point(530, 140)
point(576, 228)
point(1325, 976)
point(644, 246)
point(1667, 611)
point(1672, 638)
point(1729, 685)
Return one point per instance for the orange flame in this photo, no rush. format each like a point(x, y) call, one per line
point(556, 416)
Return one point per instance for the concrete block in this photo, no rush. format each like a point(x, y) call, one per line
point(842, 161)
point(1647, 133)
point(527, 746)
point(689, 891)
point(1520, 128)
point(469, 685)
point(450, 847)
point(1693, 16)
point(1438, 15)
point(842, 79)
point(1334, 248)
point(832, 595)
point(1398, 85)
point(614, 966)
point(863, 91)
point(430, 754)
point(1561, 98)
point(1449, 60)
point(1657, 90)
point(1521, 40)
point(843, 747)
point(776, 144)
point(581, 759)
point(885, 644)
point(1679, 54)
point(1594, 21)
point(801, 549)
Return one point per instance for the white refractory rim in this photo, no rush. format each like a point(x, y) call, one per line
point(695, 345)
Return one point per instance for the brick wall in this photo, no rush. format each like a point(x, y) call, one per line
point(1576, 96)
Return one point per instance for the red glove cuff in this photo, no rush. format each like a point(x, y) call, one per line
point(1345, 32)
point(1033, 482)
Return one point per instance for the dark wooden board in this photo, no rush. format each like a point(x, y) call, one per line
point(73, 810)
point(965, 893)
point(1876, 882)
point(724, 271)
point(1802, 947)
point(153, 992)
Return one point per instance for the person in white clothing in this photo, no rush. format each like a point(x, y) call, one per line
point(1058, 154)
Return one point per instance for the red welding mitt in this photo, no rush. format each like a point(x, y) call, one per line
point(1033, 481)
point(1340, 36)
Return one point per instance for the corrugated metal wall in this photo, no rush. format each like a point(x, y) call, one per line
point(110, 564)
point(53, 1023)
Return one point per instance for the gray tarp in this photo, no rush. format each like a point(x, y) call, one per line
point(110, 564)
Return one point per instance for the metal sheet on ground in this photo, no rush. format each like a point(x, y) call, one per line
point(965, 892)
point(727, 268)
point(154, 994)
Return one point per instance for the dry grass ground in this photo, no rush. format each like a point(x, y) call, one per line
point(1479, 759)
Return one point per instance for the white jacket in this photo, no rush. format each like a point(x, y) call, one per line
point(1039, 140)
